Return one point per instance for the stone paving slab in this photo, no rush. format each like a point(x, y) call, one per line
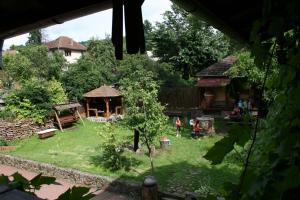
point(53, 191)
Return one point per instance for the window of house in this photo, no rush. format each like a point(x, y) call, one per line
point(67, 52)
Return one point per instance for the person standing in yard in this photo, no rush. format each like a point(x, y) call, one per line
point(197, 128)
point(178, 126)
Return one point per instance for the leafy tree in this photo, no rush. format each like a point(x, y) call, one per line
point(163, 73)
point(92, 70)
point(148, 28)
point(271, 166)
point(252, 75)
point(35, 99)
point(35, 37)
point(143, 111)
point(33, 61)
point(187, 43)
point(18, 67)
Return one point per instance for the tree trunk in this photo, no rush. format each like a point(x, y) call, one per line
point(136, 140)
point(150, 156)
point(186, 72)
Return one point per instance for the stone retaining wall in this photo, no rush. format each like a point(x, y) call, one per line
point(74, 176)
point(20, 129)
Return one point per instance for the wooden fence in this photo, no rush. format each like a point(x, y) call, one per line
point(180, 97)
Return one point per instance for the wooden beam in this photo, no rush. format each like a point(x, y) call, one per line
point(87, 107)
point(59, 124)
point(107, 106)
point(80, 117)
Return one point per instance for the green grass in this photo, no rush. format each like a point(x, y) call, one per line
point(182, 168)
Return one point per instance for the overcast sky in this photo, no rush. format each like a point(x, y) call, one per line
point(95, 25)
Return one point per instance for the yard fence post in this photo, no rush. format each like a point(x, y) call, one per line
point(150, 188)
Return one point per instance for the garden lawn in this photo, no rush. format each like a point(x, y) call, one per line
point(181, 168)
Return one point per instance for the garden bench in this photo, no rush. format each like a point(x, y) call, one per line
point(67, 119)
point(46, 133)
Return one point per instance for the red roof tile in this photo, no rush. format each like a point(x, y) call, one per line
point(218, 68)
point(64, 42)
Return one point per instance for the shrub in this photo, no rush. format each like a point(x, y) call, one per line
point(112, 157)
point(3, 142)
point(56, 92)
point(35, 99)
point(6, 114)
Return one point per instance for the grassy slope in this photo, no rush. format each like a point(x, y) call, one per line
point(180, 168)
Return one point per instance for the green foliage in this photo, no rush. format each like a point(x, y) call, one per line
point(33, 61)
point(143, 111)
point(252, 75)
point(76, 193)
point(194, 44)
point(271, 170)
point(3, 142)
point(112, 149)
point(30, 186)
point(35, 37)
point(35, 99)
point(56, 91)
point(238, 134)
point(6, 114)
point(92, 70)
point(163, 73)
point(17, 67)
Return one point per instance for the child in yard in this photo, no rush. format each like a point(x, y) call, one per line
point(178, 126)
point(197, 128)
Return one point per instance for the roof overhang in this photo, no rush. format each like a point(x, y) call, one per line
point(233, 17)
point(213, 82)
point(18, 17)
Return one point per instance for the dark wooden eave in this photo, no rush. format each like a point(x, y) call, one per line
point(233, 17)
point(18, 17)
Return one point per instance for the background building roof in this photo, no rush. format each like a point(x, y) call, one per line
point(218, 68)
point(64, 42)
point(213, 82)
point(103, 91)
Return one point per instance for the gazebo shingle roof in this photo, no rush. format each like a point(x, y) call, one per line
point(103, 91)
point(218, 68)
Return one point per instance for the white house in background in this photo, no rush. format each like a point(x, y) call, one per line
point(71, 50)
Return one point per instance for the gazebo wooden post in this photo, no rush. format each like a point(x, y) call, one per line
point(107, 106)
point(57, 119)
point(87, 107)
point(122, 109)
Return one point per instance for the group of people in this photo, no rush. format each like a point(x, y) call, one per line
point(194, 124)
point(241, 108)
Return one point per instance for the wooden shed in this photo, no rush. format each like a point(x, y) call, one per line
point(104, 100)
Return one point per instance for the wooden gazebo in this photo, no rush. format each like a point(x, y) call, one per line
point(106, 93)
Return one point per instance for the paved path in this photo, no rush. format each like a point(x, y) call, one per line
point(53, 191)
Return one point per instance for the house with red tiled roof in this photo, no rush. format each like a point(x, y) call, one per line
point(71, 49)
point(212, 81)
